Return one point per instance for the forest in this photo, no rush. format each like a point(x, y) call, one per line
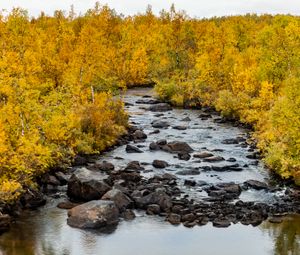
point(62, 78)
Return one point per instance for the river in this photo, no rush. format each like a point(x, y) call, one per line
point(45, 231)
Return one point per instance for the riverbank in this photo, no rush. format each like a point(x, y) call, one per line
point(181, 166)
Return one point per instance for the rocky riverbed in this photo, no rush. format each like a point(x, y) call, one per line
point(182, 167)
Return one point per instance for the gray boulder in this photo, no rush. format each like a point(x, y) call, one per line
point(87, 185)
point(94, 214)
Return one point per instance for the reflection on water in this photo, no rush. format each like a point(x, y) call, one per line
point(45, 232)
point(286, 236)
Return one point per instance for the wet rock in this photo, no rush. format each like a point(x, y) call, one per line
point(121, 200)
point(160, 163)
point(190, 217)
point(184, 156)
point(230, 141)
point(50, 179)
point(204, 154)
point(178, 147)
point(32, 199)
point(134, 165)
point(139, 135)
point(180, 127)
point(104, 166)
point(188, 172)
point(66, 205)
point(231, 160)
point(219, 223)
point(157, 197)
point(5, 221)
point(190, 183)
point(160, 107)
point(161, 142)
point(80, 161)
point(160, 124)
point(186, 119)
point(87, 185)
point(133, 149)
point(128, 214)
point(156, 131)
point(168, 177)
point(154, 146)
point(63, 178)
point(253, 156)
point(94, 214)
point(204, 116)
point(148, 101)
point(225, 168)
point(153, 209)
point(214, 159)
point(174, 219)
point(254, 184)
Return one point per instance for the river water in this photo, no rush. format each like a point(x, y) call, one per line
point(45, 232)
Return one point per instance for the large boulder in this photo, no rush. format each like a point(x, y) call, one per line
point(94, 214)
point(178, 147)
point(86, 185)
point(160, 107)
point(121, 200)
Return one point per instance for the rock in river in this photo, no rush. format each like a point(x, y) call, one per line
point(160, 164)
point(256, 184)
point(160, 124)
point(177, 147)
point(121, 200)
point(133, 149)
point(160, 107)
point(94, 214)
point(87, 185)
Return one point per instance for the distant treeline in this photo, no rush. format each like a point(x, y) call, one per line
point(59, 76)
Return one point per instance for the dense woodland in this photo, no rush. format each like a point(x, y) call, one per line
point(61, 77)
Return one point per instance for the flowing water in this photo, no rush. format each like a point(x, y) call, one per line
point(45, 232)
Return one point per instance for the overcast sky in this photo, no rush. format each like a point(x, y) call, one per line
point(195, 8)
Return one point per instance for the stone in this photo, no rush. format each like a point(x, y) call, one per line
point(214, 159)
point(154, 147)
point(128, 214)
point(230, 141)
point(160, 124)
point(134, 165)
point(153, 209)
point(188, 172)
point(160, 163)
point(190, 183)
point(63, 178)
point(121, 200)
point(204, 154)
point(162, 107)
point(180, 127)
point(174, 219)
point(157, 197)
point(221, 223)
point(133, 149)
point(178, 146)
point(94, 214)
point(184, 156)
point(254, 184)
point(186, 119)
point(161, 142)
point(32, 199)
point(139, 135)
point(86, 185)
point(66, 205)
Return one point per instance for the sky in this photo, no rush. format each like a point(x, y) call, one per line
point(195, 8)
